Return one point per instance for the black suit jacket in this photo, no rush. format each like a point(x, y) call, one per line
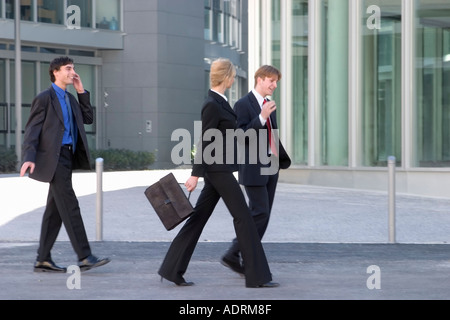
point(44, 133)
point(218, 115)
point(247, 110)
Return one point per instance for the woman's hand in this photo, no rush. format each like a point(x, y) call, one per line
point(191, 183)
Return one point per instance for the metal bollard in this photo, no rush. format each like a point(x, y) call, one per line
point(391, 169)
point(99, 215)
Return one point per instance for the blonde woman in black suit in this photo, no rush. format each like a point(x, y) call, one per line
point(220, 182)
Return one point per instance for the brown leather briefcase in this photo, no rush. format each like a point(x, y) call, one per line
point(169, 201)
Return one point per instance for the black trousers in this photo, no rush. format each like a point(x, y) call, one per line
point(218, 185)
point(260, 202)
point(62, 207)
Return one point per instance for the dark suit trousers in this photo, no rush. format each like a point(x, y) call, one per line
point(62, 207)
point(218, 185)
point(260, 203)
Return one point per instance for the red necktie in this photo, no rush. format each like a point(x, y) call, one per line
point(271, 136)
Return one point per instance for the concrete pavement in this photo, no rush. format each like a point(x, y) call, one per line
point(322, 244)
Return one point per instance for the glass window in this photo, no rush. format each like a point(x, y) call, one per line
point(217, 21)
point(28, 92)
point(108, 14)
point(381, 89)
point(9, 9)
point(29, 49)
point(51, 11)
point(433, 83)
point(58, 51)
point(233, 94)
point(2, 82)
point(3, 105)
point(45, 76)
point(82, 53)
point(223, 22)
point(235, 24)
point(208, 23)
point(85, 11)
point(26, 10)
point(334, 113)
point(227, 22)
point(276, 47)
point(300, 80)
point(28, 82)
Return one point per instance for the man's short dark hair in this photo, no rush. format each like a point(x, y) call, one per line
point(56, 64)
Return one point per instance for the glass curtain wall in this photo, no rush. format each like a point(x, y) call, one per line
point(380, 124)
point(276, 46)
point(299, 78)
point(433, 83)
point(381, 75)
point(334, 113)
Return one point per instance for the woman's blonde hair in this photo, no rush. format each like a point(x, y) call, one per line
point(221, 70)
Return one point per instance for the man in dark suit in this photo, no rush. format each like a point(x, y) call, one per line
point(255, 112)
point(220, 183)
point(55, 144)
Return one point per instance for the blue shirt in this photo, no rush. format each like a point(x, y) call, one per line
point(60, 93)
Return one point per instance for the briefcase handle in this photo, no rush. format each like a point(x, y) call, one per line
point(189, 196)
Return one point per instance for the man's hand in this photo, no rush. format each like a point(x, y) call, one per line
point(267, 109)
point(25, 167)
point(77, 84)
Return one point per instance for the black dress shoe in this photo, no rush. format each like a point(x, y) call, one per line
point(181, 283)
point(92, 262)
point(48, 266)
point(269, 284)
point(233, 264)
point(184, 283)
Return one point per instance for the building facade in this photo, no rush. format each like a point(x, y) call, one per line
point(146, 63)
point(363, 80)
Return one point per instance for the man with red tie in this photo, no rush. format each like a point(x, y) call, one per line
point(256, 112)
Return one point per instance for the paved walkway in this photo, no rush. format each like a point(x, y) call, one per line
point(322, 243)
